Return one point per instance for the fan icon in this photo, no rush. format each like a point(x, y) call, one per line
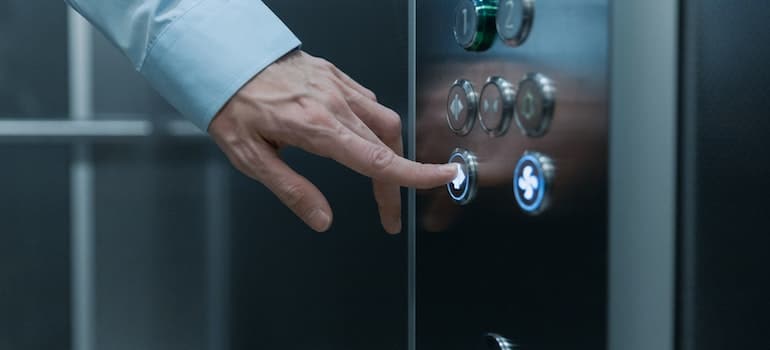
point(528, 183)
point(531, 181)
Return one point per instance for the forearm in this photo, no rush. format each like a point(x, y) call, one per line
point(195, 53)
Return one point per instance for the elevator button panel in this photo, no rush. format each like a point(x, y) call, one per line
point(474, 25)
point(524, 146)
point(496, 106)
point(535, 104)
point(514, 21)
point(532, 182)
point(462, 189)
point(462, 105)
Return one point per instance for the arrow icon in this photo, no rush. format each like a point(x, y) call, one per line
point(459, 179)
point(529, 105)
point(494, 105)
point(456, 107)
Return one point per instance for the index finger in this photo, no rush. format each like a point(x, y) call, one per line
point(380, 163)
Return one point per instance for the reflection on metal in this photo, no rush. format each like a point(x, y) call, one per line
point(412, 194)
point(643, 146)
point(494, 341)
point(81, 188)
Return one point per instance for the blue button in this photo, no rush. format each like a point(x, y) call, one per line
point(462, 189)
point(532, 180)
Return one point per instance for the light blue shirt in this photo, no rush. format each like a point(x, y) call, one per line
point(196, 53)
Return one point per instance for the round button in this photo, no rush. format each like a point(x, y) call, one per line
point(514, 20)
point(474, 24)
point(532, 180)
point(496, 106)
point(535, 104)
point(461, 107)
point(462, 189)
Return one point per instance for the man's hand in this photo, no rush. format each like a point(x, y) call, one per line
point(306, 102)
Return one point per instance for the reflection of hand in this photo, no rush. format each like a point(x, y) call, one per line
point(306, 102)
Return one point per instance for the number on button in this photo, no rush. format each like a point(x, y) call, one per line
point(509, 20)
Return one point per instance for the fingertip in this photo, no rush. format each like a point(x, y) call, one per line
point(319, 220)
point(393, 227)
point(449, 170)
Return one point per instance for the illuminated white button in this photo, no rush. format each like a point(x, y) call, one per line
point(532, 181)
point(462, 189)
point(460, 178)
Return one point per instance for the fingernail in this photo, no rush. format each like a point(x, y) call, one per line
point(395, 226)
point(319, 220)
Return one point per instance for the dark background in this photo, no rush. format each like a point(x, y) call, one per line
point(724, 271)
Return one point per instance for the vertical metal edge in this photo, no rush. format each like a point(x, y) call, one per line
point(217, 254)
point(411, 205)
point(686, 272)
point(643, 158)
point(81, 187)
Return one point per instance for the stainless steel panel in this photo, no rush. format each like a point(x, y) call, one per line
point(643, 174)
point(539, 280)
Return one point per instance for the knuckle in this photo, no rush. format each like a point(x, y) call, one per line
point(370, 94)
point(335, 102)
point(393, 123)
point(381, 158)
point(292, 195)
point(316, 117)
point(391, 127)
point(323, 63)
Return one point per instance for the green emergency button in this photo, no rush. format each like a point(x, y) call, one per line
point(474, 26)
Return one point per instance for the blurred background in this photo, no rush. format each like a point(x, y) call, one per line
point(123, 227)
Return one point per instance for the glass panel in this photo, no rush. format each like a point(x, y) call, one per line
point(33, 59)
point(166, 276)
point(34, 247)
point(150, 246)
point(34, 181)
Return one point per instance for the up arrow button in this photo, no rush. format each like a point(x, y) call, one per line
point(462, 189)
point(456, 107)
point(460, 178)
point(461, 107)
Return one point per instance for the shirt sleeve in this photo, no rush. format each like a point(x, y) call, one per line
point(195, 53)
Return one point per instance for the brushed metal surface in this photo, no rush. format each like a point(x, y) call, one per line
point(488, 267)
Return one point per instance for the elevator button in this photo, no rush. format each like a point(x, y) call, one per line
point(462, 189)
point(496, 106)
point(535, 104)
point(461, 107)
point(474, 27)
point(532, 181)
point(514, 20)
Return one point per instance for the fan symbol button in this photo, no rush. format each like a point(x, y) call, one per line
point(528, 183)
point(532, 179)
